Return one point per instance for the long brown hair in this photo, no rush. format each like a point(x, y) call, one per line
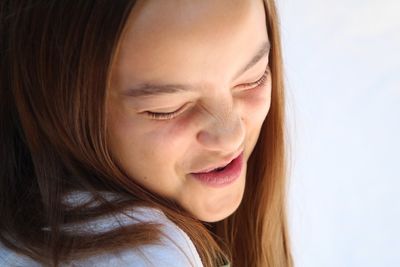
point(55, 69)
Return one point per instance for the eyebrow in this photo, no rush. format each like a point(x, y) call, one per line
point(151, 89)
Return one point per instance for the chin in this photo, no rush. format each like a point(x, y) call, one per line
point(212, 216)
point(219, 206)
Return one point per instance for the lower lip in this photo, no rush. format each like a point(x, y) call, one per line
point(222, 178)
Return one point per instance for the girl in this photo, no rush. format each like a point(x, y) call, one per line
point(142, 133)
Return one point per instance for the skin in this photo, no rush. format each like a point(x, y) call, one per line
point(202, 44)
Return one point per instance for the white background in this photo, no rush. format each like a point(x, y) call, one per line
point(342, 61)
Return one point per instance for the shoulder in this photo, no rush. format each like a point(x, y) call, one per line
point(175, 249)
point(10, 258)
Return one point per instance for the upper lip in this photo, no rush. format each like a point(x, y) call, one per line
point(222, 163)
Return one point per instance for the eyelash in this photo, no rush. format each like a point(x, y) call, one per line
point(167, 116)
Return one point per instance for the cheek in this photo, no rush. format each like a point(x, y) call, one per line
point(256, 105)
point(138, 142)
point(168, 136)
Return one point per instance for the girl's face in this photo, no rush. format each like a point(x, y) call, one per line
point(216, 51)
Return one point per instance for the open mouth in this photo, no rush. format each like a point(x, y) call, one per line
point(223, 175)
point(220, 168)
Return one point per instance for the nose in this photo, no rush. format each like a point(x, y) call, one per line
point(224, 134)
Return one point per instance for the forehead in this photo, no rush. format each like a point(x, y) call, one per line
point(189, 41)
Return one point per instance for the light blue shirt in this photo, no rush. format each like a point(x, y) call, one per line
point(175, 250)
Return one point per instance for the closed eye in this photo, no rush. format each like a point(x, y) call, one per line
point(171, 115)
point(260, 82)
